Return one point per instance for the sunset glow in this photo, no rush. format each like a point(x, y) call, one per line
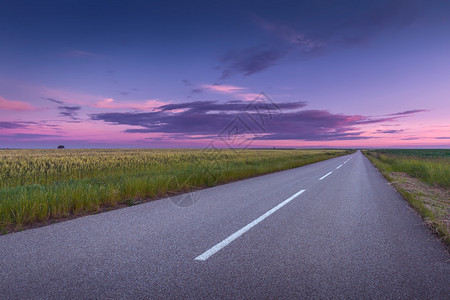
point(143, 74)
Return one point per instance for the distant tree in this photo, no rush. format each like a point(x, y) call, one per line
point(61, 147)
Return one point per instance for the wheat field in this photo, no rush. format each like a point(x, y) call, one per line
point(43, 185)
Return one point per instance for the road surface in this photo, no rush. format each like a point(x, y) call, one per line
point(331, 229)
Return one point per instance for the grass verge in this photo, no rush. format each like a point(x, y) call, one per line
point(418, 179)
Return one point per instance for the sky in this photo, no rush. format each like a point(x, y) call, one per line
point(196, 74)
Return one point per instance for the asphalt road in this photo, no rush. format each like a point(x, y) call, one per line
point(298, 233)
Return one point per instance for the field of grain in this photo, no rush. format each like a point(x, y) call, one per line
point(423, 178)
point(43, 185)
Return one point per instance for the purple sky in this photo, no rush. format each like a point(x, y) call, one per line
point(89, 74)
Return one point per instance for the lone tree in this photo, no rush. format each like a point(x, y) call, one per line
point(61, 147)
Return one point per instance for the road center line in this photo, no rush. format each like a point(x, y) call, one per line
point(338, 167)
point(207, 254)
point(325, 175)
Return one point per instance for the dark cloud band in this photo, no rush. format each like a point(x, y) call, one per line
point(210, 118)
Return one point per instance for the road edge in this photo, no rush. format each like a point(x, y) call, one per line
point(415, 204)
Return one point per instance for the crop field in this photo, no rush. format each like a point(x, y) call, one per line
point(44, 185)
point(423, 178)
point(423, 153)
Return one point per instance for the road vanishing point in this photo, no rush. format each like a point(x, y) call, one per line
point(333, 229)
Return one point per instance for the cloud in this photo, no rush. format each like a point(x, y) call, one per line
point(15, 105)
point(250, 60)
point(69, 111)
point(408, 112)
point(230, 106)
point(443, 138)
point(390, 131)
point(216, 87)
point(410, 138)
point(107, 103)
point(315, 32)
point(226, 89)
point(197, 91)
point(317, 125)
point(28, 136)
point(65, 110)
point(189, 84)
point(54, 100)
point(148, 105)
point(186, 82)
point(303, 42)
point(237, 91)
point(12, 125)
point(199, 119)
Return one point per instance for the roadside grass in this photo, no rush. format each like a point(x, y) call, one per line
point(434, 170)
point(39, 186)
point(422, 178)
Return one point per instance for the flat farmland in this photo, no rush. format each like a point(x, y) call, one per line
point(40, 186)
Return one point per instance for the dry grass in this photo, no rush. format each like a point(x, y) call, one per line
point(433, 201)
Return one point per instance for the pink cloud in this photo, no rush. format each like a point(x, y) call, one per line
point(14, 105)
point(249, 96)
point(148, 105)
point(227, 89)
point(238, 91)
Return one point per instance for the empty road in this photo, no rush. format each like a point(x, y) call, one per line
point(333, 229)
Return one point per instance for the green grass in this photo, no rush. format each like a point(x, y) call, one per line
point(423, 153)
point(430, 198)
point(41, 185)
point(430, 166)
